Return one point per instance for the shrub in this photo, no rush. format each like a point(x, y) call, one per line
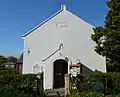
point(86, 94)
point(111, 80)
point(7, 92)
point(107, 83)
point(19, 85)
point(78, 83)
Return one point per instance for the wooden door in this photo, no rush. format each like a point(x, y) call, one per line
point(60, 69)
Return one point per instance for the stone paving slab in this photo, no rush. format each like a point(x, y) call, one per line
point(55, 92)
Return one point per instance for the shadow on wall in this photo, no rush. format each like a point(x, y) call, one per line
point(86, 71)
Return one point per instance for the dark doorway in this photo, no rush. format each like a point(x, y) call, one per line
point(60, 69)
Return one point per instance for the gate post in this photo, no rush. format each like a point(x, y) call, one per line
point(41, 84)
point(67, 90)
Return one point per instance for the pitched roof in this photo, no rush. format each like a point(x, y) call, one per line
point(20, 60)
point(63, 7)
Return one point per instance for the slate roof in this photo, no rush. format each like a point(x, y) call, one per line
point(20, 60)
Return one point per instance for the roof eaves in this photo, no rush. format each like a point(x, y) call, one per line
point(42, 23)
point(81, 18)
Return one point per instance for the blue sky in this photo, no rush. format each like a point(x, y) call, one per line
point(19, 16)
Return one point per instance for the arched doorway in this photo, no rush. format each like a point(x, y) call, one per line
point(60, 69)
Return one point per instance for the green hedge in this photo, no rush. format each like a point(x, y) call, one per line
point(86, 94)
point(112, 80)
point(19, 85)
point(8, 92)
point(109, 84)
point(91, 94)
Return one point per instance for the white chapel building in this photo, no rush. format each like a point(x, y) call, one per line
point(58, 42)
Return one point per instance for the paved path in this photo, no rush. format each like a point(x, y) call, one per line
point(55, 92)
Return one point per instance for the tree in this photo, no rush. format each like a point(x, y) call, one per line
point(107, 38)
point(12, 59)
point(8, 61)
point(2, 59)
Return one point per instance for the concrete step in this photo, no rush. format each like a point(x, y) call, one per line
point(55, 92)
